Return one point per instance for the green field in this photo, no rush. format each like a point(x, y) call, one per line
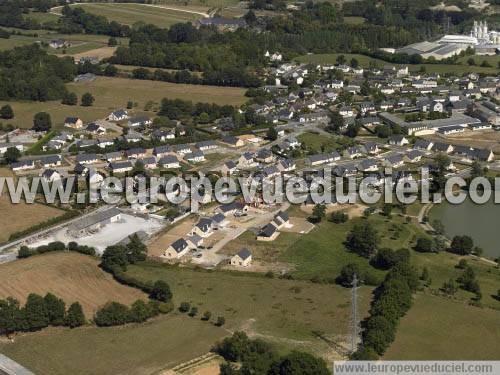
point(315, 142)
point(133, 349)
point(493, 60)
point(277, 308)
point(42, 17)
point(354, 20)
point(129, 14)
point(441, 329)
point(364, 61)
point(113, 93)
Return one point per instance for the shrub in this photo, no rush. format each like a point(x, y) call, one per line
point(184, 307)
point(112, 314)
point(220, 321)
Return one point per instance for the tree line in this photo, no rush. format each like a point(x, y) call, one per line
point(259, 357)
point(37, 313)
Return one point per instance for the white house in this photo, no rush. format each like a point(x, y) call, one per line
point(242, 259)
point(118, 115)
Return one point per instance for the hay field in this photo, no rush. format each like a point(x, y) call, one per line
point(71, 276)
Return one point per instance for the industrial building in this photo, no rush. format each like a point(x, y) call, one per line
point(94, 222)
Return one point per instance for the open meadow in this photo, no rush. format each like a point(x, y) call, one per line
point(364, 61)
point(114, 93)
point(146, 348)
point(17, 217)
point(441, 329)
point(158, 15)
point(70, 276)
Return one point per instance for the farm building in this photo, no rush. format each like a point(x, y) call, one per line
point(94, 222)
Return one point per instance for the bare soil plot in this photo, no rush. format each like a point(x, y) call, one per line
point(17, 217)
point(298, 225)
point(71, 276)
point(158, 246)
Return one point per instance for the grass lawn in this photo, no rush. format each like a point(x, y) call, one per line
point(354, 20)
point(278, 308)
point(441, 329)
point(442, 268)
point(113, 93)
point(42, 17)
point(133, 349)
point(493, 60)
point(315, 141)
point(364, 61)
point(129, 14)
point(321, 253)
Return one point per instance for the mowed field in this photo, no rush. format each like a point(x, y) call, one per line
point(17, 217)
point(71, 276)
point(134, 349)
point(441, 329)
point(129, 14)
point(114, 93)
point(364, 61)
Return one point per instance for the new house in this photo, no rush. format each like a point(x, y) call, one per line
point(118, 115)
point(73, 122)
point(242, 259)
point(268, 233)
point(169, 162)
point(177, 249)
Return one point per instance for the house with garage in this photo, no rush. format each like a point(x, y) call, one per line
point(113, 156)
point(163, 135)
point(442, 147)
point(232, 141)
point(206, 145)
point(394, 161)
point(268, 233)
point(135, 153)
point(264, 155)
point(139, 121)
point(73, 122)
point(22, 165)
point(50, 161)
point(118, 115)
point(233, 208)
point(281, 220)
point(242, 259)
point(149, 162)
point(196, 156)
point(286, 165)
point(247, 160)
point(94, 128)
point(413, 156)
point(204, 227)
point(160, 151)
point(398, 140)
point(228, 168)
point(177, 249)
point(423, 145)
point(194, 241)
point(51, 175)
point(219, 221)
point(120, 166)
point(368, 165)
point(169, 162)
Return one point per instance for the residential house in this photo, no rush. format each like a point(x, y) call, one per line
point(394, 161)
point(50, 161)
point(139, 121)
point(160, 151)
point(162, 135)
point(346, 170)
point(177, 249)
point(232, 141)
point(194, 241)
point(118, 115)
point(22, 165)
point(281, 219)
point(264, 156)
point(113, 156)
point(442, 147)
point(51, 175)
point(194, 157)
point(286, 165)
point(372, 148)
point(368, 165)
point(103, 143)
point(169, 162)
point(229, 168)
point(219, 221)
point(398, 140)
point(413, 156)
point(206, 145)
point(242, 259)
point(120, 166)
point(94, 128)
point(182, 149)
point(148, 162)
point(354, 152)
point(247, 160)
point(232, 208)
point(423, 145)
point(73, 122)
point(203, 228)
point(135, 153)
point(268, 233)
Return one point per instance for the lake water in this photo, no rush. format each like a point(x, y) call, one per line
point(480, 221)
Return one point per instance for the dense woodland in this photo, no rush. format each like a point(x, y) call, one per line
point(30, 73)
